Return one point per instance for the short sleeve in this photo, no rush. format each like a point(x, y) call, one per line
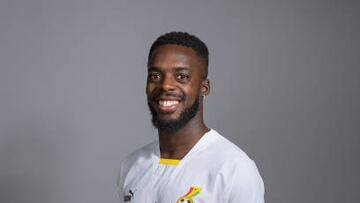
point(247, 185)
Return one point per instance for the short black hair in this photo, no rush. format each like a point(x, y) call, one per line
point(183, 39)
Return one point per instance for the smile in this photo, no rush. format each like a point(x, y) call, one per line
point(168, 106)
point(167, 103)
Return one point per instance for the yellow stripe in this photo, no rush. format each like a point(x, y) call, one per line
point(169, 161)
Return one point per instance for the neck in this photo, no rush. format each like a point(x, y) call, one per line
point(175, 145)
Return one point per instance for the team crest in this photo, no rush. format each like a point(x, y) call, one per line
point(188, 198)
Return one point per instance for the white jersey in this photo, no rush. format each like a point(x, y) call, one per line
point(214, 171)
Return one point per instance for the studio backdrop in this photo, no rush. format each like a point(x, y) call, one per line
point(285, 87)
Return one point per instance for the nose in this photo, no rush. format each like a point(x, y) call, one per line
point(168, 83)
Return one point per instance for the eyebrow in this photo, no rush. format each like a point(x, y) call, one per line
point(182, 68)
point(155, 68)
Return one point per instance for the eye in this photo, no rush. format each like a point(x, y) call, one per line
point(154, 76)
point(182, 76)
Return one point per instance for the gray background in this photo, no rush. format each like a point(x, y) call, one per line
point(285, 87)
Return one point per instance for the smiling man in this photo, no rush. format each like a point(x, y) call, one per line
point(190, 162)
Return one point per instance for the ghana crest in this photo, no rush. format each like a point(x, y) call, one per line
point(188, 197)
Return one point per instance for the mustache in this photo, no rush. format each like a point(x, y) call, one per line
point(160, 93)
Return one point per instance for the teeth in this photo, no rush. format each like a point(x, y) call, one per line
point(167, 103)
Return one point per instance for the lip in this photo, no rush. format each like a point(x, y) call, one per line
point(167, 98)
point(167, 109)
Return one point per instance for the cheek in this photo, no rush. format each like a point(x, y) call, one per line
point(191, 97)
point(149, 89)
point(194, 92)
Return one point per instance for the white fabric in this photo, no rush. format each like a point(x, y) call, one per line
point(219, 169)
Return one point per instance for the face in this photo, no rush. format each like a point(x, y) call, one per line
point(175, 86)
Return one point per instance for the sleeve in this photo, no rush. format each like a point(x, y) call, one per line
point(247, 185)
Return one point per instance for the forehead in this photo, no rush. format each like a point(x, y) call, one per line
point(172, 56)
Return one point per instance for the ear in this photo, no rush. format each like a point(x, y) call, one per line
point(205, 88)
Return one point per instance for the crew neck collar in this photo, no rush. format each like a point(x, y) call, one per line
point(200, 144)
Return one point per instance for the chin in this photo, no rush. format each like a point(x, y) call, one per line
point(174, 121)
point(168, 117)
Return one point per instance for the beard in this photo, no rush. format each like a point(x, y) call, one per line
point(174, 125)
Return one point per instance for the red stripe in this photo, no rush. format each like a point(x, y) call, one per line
point(191, 189)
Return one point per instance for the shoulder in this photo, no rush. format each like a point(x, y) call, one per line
point(239, 171)
point(226, 151)
point(141, 155)
point(222, 157)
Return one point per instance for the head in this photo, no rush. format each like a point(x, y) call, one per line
point(177, 80)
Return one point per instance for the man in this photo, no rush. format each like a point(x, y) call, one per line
point(190, 162)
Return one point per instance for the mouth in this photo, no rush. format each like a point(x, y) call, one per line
point(167, 105)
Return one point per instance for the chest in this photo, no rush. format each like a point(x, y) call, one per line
point(174, 184)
